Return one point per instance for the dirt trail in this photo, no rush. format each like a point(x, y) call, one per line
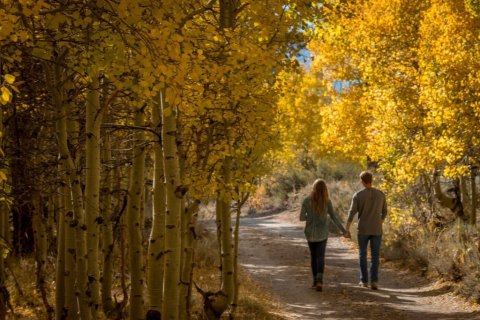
point(273, 249)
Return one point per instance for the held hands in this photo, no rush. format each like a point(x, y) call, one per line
point(347, 230)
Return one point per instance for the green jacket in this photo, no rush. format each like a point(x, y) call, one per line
point(316, 226)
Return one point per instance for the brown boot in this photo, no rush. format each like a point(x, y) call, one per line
point(319, 286)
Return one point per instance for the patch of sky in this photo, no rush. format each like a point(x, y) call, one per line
point(305, 57)
point(341, 85)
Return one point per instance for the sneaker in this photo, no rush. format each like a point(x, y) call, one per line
point(319, 286)
point(374, 286)
point(363, 284)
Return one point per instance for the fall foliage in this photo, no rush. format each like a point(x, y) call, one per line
point(108, 104)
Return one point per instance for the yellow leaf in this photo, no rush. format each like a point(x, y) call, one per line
point(123, 8)
point(4, 248)
point(167, 112)
point(6, 94)
point(9, 78)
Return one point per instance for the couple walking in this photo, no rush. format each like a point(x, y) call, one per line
point(371, 207)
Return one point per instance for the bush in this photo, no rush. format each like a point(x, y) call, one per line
point(283, 189)
point(425, 236)
point(333, 169)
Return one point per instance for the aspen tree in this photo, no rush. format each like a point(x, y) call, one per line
point(184, 289)
point(174, 194)
point(188, 220)
point(449, 62)
point(52, 227)
point(186, 250)
point(107, 227)
point(40, 238)
point(156, 243)
point(3, 289)
point(189, 215)
point(216, 304)
point(94, 117)
point(122, 235)
point(74, 135)
point(60, 270)
point(54, 81)
point(4, 249)
point(4, 295)
point(70, 308)
point(473, 186)
point(221, 300)
point(134, 222)
point(5, 221)
point(240, 201)
point(4, 241)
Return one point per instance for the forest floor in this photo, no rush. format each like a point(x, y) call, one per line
point(274, 251)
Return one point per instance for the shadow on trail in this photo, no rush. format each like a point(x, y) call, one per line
point(275, 252)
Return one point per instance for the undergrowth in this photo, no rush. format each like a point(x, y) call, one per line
point(254, 302)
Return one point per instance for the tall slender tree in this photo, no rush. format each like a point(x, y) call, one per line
point(134, 221)
point(174, 193)
point(156, 244)
point(94, 116)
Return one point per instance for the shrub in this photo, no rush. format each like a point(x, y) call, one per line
point(422, 234)
point(283, 189)
point(333, 169)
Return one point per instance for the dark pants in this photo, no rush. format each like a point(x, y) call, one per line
point(375, 243)
point(317, 257)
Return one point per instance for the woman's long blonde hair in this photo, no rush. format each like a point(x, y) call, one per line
point(319, 196)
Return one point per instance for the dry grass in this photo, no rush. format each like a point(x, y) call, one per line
point(446, 250)
point(254, 302)
point(21, 284)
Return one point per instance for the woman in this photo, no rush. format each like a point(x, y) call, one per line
point(314, 211)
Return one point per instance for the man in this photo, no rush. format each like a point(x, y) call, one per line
point(371, 206)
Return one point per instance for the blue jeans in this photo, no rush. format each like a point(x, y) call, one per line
point(375, 243)
point(317, 259)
